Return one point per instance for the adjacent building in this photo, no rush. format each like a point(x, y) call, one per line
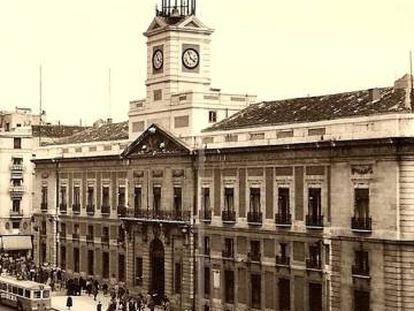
point(223, 204)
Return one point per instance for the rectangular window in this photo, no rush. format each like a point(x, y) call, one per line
point(206, 198)
point(284, 250)
point(177, 278)
point(255, 200)
point(105, 265)
point(121, 268)
point(177, 200)
point(16, 206)
point(63, 196)
point(16, 225)
point(212, 116)
point(284, 133)
point(63, 257)
point(207, 246)
point(156, 192)
point(361, 300)
point(121, 197)
point(257, 136)
point(76, 260)
point(138, 271)
point(91, 196)
point(137, 198)
point(317, 131)
point(361, 263)
point(256, 291)
point(228, 248)
point(90, 233)
point(181, 122)
point(229, 286)
point(157, 95)
point(231, 138)
point(206, 282)
point(315, 297)
point(284, 294)
point(105, 234)
point(283, 201)
point(44, 196)
point(76, 196)
point(62, 230)
point(314, 202)
point(229, 199)
point(91, 260)
point(255, 251)
point(362, 203)
point(17, 143)
point(105, 196)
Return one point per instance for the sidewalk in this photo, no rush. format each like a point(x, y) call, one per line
point(80, 303)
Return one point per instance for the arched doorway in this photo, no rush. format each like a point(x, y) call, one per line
point(157, 269)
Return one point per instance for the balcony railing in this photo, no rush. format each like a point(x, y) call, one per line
point(89, 238)
point(105, 239)
point(122, 209)
point(105, 210)
point(63, 208)
point(62, 236)
point(16, 213)
point(16, 191)
point(283, 261)
point(361, 224)
point(76, 208)
point(227, 254)
point(90, 210)
point(314, 264)
point(159, 215)
point(43, 206)
point(75, 236)
point(228, 216)
point(314, 221)
point(362, 271)
point(205, 215)
point(255, 218)
point(253, 256)
point(16, 170)
point(283, 219)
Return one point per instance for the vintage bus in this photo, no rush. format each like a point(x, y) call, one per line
point(24, 295)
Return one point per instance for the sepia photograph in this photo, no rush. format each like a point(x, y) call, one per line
point(196, 155)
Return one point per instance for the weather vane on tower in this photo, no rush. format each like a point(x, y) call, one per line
point(177, 8)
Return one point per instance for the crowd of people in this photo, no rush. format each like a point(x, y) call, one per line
point(24, 268)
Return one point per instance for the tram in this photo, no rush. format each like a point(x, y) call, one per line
point(24, 295)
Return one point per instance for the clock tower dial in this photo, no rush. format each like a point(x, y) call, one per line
point(157, 59)
point(190, 58)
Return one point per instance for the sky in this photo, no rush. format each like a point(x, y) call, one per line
point(272, 48)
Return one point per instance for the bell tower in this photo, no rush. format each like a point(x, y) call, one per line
point(178, 52)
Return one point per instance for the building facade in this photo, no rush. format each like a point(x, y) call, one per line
point(299, 204)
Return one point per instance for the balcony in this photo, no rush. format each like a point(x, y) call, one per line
point(227, 254)
point(90, 210)
point(105, 240)
point(16, 171)
point(105, 210)
point(16, 192)
point(314, 264)
point(121, 241)
point(62, 236)
point(43, 207)
point(255, 218)
point(16, 214)
point(205, 215)
point(283, 220)
point(75, 236)
point(122, 210)
point(314, 221)
point(228, 217)
point(361, 224)
point(76, 209)
point(89, 239)
point(63, 208)
point(359, 271)
point(283, 261)
point(254, 256)
point(159, 216)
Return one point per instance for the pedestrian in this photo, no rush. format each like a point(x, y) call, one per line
point(94, 292)
point(69, 302)
point(99, 306)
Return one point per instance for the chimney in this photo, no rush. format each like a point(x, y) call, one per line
point(109, 121)
point(405, 83)
point(374, 94)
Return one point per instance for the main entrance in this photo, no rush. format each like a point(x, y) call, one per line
point(157, 270)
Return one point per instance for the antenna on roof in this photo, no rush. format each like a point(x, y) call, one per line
point(40, 102)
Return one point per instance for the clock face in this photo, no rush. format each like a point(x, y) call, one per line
point(157, 59)
point(191, 58)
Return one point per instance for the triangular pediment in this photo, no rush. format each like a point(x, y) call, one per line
point(157, 23)
point(192, 22)
point(155, 141)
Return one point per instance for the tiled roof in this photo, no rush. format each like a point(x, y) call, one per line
point(105, 132)
point(55, 131)
point(318, 108)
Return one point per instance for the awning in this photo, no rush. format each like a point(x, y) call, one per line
point(16, 242)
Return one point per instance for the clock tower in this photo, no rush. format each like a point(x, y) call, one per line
point(178, 52)
point(178, 93)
